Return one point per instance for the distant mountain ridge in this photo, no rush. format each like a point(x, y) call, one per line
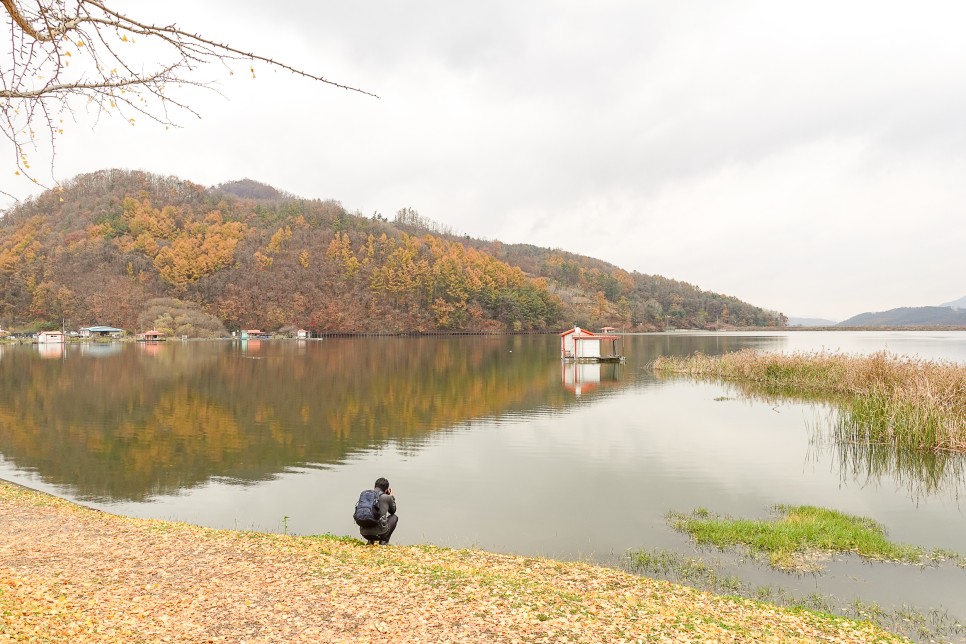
point(956, 304)
point(793, 321)
point(910, 316)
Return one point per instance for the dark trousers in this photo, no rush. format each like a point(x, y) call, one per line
point(383, 538)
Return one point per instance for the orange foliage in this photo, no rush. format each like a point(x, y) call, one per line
point(200, 249)
point(21, 246)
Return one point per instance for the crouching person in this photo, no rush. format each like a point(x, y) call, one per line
point(375, 513)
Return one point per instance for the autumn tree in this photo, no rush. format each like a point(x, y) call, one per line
point(202, 248)
point(65, 54)
point(174, 317)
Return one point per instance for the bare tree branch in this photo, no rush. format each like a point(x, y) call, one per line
point(67, 52)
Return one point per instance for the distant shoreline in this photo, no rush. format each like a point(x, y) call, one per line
point(851, 328)
point(416, 334)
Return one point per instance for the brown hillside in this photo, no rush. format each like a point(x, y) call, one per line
point(106, 246)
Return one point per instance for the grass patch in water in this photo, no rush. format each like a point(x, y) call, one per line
point(685, 570)
point(906, 402)
point(799, 536)
point(926, 625)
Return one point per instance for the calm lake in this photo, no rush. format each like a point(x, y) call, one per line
point(488, 442)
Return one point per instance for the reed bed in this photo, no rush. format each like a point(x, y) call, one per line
point(886, 399)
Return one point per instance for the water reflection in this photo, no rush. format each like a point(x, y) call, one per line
point(919, 473)
point(50, 350)
point(99, 349)
point(581, 377)
point(138, 422)
point(147, 419)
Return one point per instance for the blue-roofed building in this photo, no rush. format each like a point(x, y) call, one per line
point(100, 331)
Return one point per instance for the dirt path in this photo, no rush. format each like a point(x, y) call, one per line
point(70, 574)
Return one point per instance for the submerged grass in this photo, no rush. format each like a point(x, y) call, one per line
point(886, 399)
point(799, 536)
point(920, 624)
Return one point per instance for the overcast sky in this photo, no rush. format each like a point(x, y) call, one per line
point(805, 157)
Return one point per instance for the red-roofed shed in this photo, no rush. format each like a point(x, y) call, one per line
point(583, 345)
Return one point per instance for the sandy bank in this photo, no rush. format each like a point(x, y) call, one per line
point(68, 573)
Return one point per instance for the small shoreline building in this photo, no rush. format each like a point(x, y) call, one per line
point(50, 337)
point(101, 332)
point(581, 345)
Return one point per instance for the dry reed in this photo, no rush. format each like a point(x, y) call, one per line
point(906, 402)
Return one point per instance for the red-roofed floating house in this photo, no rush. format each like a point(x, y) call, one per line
point(581, 345)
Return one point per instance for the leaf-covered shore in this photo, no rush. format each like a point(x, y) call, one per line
point(69, 573)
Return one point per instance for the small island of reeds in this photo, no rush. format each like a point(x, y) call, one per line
point(885, 399)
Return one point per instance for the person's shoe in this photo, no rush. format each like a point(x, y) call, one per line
point(383, 543)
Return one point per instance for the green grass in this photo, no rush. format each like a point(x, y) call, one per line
point(686, 570)
point(342, 538)
point(798, 536)
point(885, 399)
point(921, 624)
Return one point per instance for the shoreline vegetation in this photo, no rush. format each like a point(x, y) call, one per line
point(883, 399)
point(69, 573)
point(799, 538)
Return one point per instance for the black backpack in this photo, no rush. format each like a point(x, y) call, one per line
point(366, 514)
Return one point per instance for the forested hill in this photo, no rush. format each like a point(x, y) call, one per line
point(136, 250)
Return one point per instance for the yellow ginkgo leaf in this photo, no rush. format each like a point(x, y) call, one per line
point(67, 53)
